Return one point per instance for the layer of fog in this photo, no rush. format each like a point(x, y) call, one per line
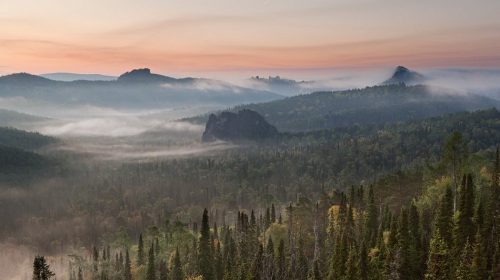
point(461, 81)
point(16, 262)
point(458, 81)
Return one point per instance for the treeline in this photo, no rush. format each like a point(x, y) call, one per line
point(444, 233)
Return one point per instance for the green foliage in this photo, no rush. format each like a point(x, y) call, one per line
point(41, 270)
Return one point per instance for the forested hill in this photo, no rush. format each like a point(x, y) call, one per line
point(23, 139)
point(18, 157)
point(378, 104)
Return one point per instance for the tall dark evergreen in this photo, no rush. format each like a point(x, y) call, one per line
point(281, 267)
point(177, 272)
point(140, 251)
point(127, 273)
point(464, 228)
point(219, 263)
point(273, 214)
point(163, 271)
point(371, 227)
point(363, 263)
point(205, 257)
point(41, 269)
point(444, 220)
point(151, 268)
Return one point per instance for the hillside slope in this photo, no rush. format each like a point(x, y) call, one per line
point(371, 105)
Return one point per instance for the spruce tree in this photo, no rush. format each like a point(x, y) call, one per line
point(351, 266)
point(269, 268)
point(464, 228)
point(127, 273)
point(281, 261)
point(140, 251)
point(177, 273)
point(205, 259)
point(302, 262)
point(41, 270)
point(363, 263)
point(163, 271)
point(273, 214)
point(479, 259)
point(267, 218)
point(258, 266)
point(95, 259)
point(219, 263)
point(444, 220)
point(416, 255)
point(151, 270)
point(371, 220)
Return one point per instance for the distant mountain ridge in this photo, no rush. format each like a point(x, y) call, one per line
point(70, 77)
point(136, 89)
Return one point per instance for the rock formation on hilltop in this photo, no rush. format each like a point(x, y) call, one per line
point(244, 125)
point(403, 75)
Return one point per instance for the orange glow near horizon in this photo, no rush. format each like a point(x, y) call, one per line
point(113, 37)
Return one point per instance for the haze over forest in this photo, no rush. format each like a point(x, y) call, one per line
point(249, 140)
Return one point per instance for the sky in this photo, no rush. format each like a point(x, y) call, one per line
point(196, 37)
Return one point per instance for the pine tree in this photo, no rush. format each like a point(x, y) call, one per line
point(95, 259)
point(281, 261)
point(267, 218)
point(404, 245)
point(438, 266)
point(302, 263)
point(177, 273)
point(230, 258)
point(479, 259)
point(371, 219)
point(151, 270)
point(273, 214)
point(351, 268)
point(163, 271)
point(269, 260)
point(258, 266)
point(127, 273)
point(416, 255)
point(363, 263)
point(219, 264)
point(140, 251)
point(157, 246)
point(41, 270)
point(464, 228)
point(444, 221)
point(205, 259)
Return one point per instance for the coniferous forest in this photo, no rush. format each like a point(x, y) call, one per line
point(414, 200)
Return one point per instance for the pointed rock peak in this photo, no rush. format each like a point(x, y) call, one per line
point(403, 75)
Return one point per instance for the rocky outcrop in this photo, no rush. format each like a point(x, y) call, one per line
point(244, 125)
point(403, 75)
